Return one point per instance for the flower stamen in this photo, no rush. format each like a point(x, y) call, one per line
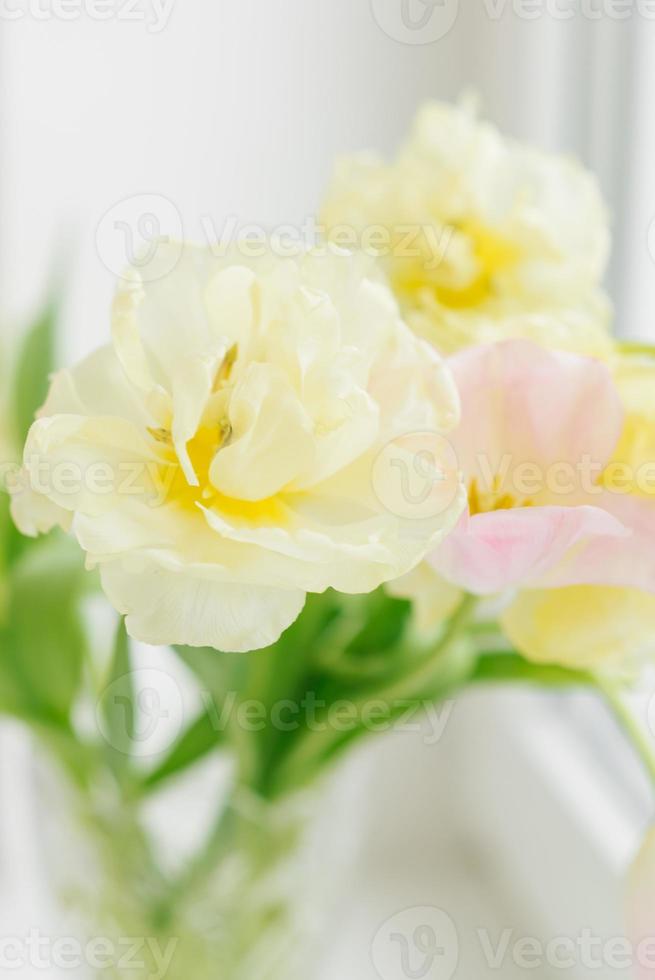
point(160, 435)
point(225, 368)
point(484, 502)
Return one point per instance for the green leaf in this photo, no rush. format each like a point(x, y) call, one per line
point(12, 701)
point(5, 533)
point(12, 543)
point(279, 672)
point(45, 636)
point(201, 738)
point(117, 701)
point(33, 369)
point(217, 673)
point(385, 621)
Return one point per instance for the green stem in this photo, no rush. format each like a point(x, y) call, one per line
point(202, 865)
point(424, 679)
point(412, 683)
point(505, 666)
point(484, 627)
point(630, 724)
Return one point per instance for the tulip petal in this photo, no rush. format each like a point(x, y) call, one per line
point(97, 385)
point(524, 406)
point(433, 598)
point(87, 463)
point(581, 625)
point(164, 317)
point(491, 552)
point(33, 513)
point(167, 607)
point(271, 441)
point(623, 561)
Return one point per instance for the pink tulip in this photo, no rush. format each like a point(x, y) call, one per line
point(537, 432)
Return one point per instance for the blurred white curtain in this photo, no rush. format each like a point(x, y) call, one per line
point(240, 108)
point(634, 140)
point(585, 86)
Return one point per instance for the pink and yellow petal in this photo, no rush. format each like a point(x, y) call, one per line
point(581, 626)
point(522, 404)
point(488, 553)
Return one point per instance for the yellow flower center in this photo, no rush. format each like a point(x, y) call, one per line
point(484, 501)
point(492, 255)
point(202, 450)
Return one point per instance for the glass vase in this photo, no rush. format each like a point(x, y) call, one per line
point(251, 899)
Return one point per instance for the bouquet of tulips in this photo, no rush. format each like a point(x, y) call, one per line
point(340, 485)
